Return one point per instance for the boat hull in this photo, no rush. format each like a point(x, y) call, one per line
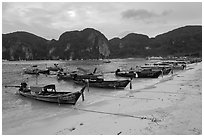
point(126, 74)
point(84, 76)
point(59, 97)
point(165, 70)
point(149, 74)
point(64, 77)
point(106, 84)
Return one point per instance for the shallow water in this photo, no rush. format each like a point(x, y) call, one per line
point(18, 110)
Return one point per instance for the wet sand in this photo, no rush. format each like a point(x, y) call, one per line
point(173, 106)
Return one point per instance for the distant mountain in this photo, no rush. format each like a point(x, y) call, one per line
point(132, 45)
point(86, 44)
point(179, 42)
point(92, 44)
point(23, 45)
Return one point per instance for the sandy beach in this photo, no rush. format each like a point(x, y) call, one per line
point(172, 106)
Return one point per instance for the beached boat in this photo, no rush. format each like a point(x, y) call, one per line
point(76, 75)
point(166, 69)
point(48, 93)
point(55, 68)
point(34, 70)
point(148, 74)
point(106, 61)
point(44, 71)
point(130, 74)
point(31, 71)
point(177, 65)
point(64, 76)
point(84, 76)
point(154, 58)
point(101, 83)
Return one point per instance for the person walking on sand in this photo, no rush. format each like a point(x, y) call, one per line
point(172, 70)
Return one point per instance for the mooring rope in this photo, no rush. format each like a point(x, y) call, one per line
point(119, 114)
point(130, 97)
point(181, 93)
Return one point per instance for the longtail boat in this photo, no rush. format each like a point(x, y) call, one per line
point(130, 73)
point(101, 83)
point(64, 76)
point(31, 71)
point(148, 74)
point(34, 70)
point(55, 68)
point(44, 71)
point(166, 70)
point(177, 65)
point(48, 93)
point(84, 76)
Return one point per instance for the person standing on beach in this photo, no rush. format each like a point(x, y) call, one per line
point(172, 70)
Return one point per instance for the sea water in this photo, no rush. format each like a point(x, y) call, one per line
point(18, 111)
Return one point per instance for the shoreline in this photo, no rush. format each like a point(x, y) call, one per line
point(172, 106)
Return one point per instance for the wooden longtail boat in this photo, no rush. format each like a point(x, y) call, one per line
point(34, 70)
point(177, 65)
point(148, 74)
point(44, 71)
point(100, 83)
point(130, 74)
point(31, 71)
point(165, 70)
point(55, 68)
point(48, 93)
point(64, 76)
point(85, 76)
point(75, 76)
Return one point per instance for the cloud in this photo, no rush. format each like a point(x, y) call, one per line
point(142, 14)
point(50, 19)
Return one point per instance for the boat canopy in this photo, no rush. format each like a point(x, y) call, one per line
point(43, 88)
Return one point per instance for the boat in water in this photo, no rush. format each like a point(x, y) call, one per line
point(166, 69)
point(130, 74)
point(48, 93)
point(101, 83)
point(139, 73)
point(106, 61)
point(64, 76)
point(76, 76)
point(55, 68)
point(146, 73)
point(177, 65)
point(34, 70)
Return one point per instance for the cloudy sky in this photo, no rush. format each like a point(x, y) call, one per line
point(115, 19)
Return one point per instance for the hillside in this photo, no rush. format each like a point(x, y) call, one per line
point(23, 45)
point(132, 45)
point(92, 44)
point(179, 42)
point(85, 44)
